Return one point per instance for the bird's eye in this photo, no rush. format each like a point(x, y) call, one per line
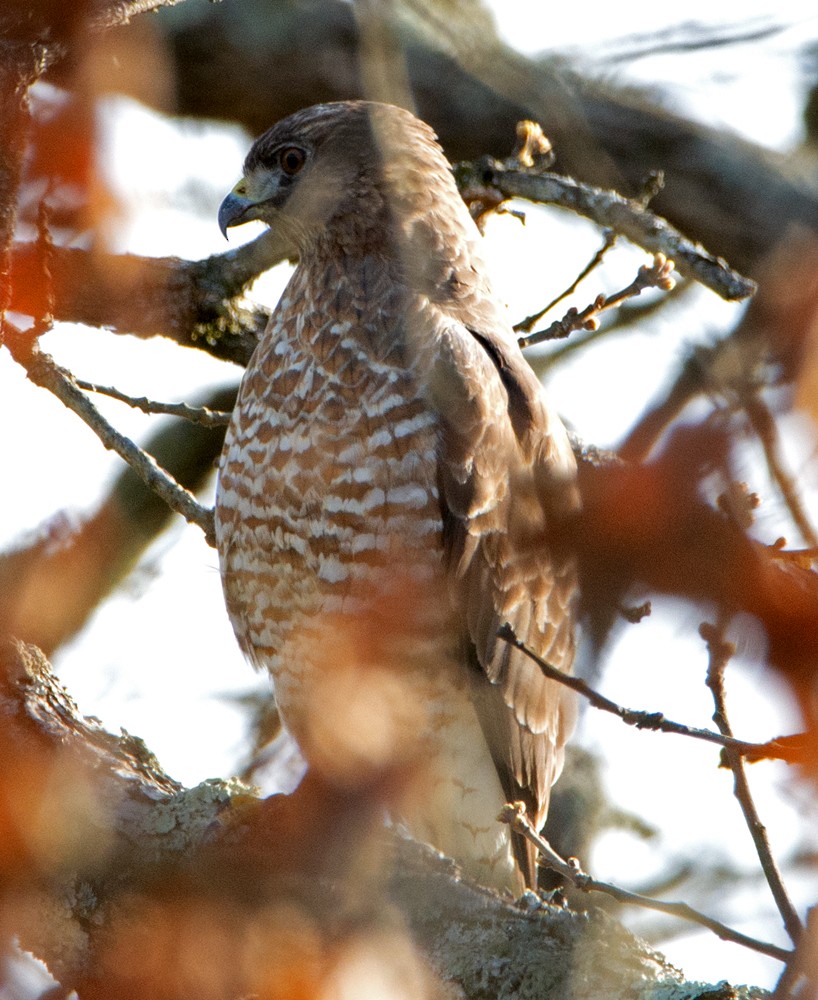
point(292, 159)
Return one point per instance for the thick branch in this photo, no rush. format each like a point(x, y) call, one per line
point(186, 301)
point(731, 195)
point(144, 888)
point(611, 211)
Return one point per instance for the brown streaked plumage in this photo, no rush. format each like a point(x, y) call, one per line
point(385, 486)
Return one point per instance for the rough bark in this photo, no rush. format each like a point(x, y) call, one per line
point(133, 861)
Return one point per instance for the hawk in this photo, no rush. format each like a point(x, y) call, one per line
point(385, 491)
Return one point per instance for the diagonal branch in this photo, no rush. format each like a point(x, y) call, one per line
point(514, 814)
point(658, 275)
point(42, 370)
point(654, 721)
point(611, 211)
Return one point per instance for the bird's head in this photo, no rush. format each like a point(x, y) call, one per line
point(363, 165)
point(299, 172)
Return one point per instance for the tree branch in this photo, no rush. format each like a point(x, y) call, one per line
point(654, 721)
point(42, 371)
point(187, 301)
point(803, 965)
point(608, 241)
point(50, 584)
point(721, 652)
point(658, 275)
point(763, 424)
point(109, 13)
point(514, 814)
point(610, 211)
point(145, 888)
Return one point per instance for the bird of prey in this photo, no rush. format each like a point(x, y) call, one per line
point(386, 488)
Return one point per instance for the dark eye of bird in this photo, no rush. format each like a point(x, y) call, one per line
point(292, 159)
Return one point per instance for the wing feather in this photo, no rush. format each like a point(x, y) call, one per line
point(505, 468)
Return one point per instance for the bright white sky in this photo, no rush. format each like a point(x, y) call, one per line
point(158, 656)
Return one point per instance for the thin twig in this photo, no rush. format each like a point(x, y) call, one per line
point(43, 371)
point(720, 652)
point(658, 275)
point(764, 425)
point(608, 241)
point(654, 721)
point(654, 183)
point(609, 210)
point(626, 317)
point(194, 414)
point(515, 815)
point(803, 964)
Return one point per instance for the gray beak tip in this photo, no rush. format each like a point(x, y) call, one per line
point(231, 211)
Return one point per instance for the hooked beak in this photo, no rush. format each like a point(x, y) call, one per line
point(235, 209)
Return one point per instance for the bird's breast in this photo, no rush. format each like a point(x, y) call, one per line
point(327, 506)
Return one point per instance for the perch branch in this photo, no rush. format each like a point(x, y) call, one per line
point(184, 869)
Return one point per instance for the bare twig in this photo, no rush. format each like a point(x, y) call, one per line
point(515, 815)
point(720, 652)
point(626, 317)
point(194, 414)
point(654, 721)
point(532, 147)
point(611, 211)
point(608, 241)
point(803, 965)
point(658, 275)
point(43, 371)
point(763, 424)
point(654, 183)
